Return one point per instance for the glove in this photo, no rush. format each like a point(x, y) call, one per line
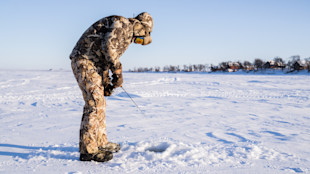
point(108, 90)
point(117, 80)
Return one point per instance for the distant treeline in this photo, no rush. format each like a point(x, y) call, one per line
point(295, 63)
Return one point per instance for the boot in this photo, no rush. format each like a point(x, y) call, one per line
point(101, 156)
point(111, 147)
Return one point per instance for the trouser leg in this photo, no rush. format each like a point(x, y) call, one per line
point(93, 127)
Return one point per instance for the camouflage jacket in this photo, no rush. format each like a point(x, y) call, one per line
point(107, 39)
point(104, 42)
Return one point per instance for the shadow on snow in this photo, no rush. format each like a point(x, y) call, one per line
point(48, 152)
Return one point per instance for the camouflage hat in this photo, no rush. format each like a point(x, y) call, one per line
point(146, 20)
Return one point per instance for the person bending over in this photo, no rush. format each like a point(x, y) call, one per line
point(95, 54)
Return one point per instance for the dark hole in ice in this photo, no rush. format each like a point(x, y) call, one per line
point(159, 148)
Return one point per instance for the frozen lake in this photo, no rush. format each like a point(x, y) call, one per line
point(191, 123)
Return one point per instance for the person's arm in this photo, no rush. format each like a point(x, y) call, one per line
point(117, 75)
point(114, 45)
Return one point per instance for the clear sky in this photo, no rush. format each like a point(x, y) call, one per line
point(40, 34)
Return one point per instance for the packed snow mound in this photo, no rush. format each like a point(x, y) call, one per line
point(167, 154)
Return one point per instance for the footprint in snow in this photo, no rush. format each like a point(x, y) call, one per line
point(279, 136)
point(241, 138)
point(34, 104)
point(210, 134)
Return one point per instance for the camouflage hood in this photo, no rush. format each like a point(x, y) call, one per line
point(146, 20)
point(143, 26)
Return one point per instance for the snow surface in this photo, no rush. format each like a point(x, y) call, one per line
point(191, 123)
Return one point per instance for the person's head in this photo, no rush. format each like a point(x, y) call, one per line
point(142, 28)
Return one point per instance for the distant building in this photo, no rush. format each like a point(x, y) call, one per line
point(234, 66)
point(298, 65)
point(273, 65)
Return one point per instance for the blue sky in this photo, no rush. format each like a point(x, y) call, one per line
point(38, 34)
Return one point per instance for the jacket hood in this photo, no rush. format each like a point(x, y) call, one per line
point(146, 20)
point(142, 24)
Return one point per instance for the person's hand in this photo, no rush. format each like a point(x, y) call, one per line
point(117, 80)
point(108, 90)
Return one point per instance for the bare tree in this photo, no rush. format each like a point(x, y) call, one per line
point(293, 62)
point(258, 64)
point(240, 65)
point(185, 68)
point(279, 63)
point(247, 66)
point(247, 63)
point(295, 58)
point(166, 68)
point(201, 68)
point(224, 66)
point(307, 63)
point(190, 68)
point(278, 60)
point(157, 69)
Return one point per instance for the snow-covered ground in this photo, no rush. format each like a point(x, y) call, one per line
point(191, 123)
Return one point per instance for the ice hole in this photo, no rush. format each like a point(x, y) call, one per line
point(159, 148)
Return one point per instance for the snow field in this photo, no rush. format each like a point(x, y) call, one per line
point(191, 123)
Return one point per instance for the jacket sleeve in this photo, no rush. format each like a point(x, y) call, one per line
point(114, 44)
point(112, 55)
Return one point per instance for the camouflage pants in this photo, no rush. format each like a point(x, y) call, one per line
point(93, 126)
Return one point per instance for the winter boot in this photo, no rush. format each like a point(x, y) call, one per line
point(111, 147)
point(101, 156)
